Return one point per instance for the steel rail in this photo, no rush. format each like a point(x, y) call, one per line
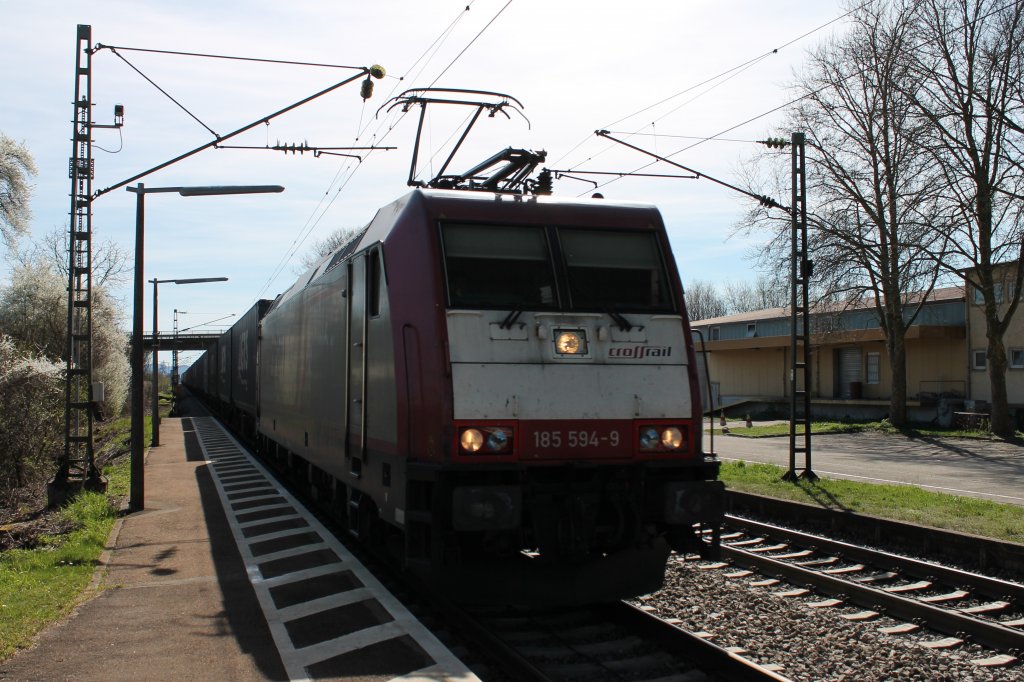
point(982, 584)
point(956, 623)
point(707, 655)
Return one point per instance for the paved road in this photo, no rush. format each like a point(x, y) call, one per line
point(959, 466)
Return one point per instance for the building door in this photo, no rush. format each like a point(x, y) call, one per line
point(849, 373)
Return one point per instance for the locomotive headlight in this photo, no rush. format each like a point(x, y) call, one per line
point(662, 438)
point(497, 440)
point(671, 438)
point(570, 342)
point(649, 438)
point(486, 440)
point(471, 440)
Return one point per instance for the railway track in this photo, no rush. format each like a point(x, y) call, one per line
point(959, 604)
point(621, 642)
point(612, 642)
point(609, 642)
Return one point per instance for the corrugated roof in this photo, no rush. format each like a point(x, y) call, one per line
point(937, 296)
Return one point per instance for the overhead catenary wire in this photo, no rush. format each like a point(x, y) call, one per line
point(782, 106)
point(722, 74)
point(320, 210)
point(721, 82)
point(702, 140)
point(101, 46)
point(307, 228)
point(470, 44)
point(684, 137)
point(162, 91)
point(346, 171)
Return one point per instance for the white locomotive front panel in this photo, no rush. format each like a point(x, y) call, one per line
point(565, 344)
point(582, 402)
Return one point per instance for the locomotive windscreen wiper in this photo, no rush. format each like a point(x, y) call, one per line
point(621, 322)
point(511, 318)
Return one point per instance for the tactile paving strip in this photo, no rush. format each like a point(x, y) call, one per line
point(328, 615)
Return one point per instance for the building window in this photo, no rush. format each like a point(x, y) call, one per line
point(1017, 358)
point(978, 360)
point(872, 371)
point(716, 333)
point(751, 330)
point(997, 291)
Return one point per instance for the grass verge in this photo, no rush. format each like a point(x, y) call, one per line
point(769, 430)
point(884, 426)
point(42, 585)
point(897, 502)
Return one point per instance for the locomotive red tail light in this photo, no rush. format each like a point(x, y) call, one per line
point(486, 440)
point(662, 438)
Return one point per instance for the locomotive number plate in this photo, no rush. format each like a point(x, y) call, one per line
point(573, 439)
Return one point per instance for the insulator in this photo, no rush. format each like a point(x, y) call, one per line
point(366, 91)
point(377, 71)
point(544, 183)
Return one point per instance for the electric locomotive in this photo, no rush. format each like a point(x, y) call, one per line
point(501, 389)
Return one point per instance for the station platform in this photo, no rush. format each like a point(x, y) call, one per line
point(224, 576)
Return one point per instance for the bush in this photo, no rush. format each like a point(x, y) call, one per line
point(31, 416)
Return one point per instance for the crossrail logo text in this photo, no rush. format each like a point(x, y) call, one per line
point(639, 351)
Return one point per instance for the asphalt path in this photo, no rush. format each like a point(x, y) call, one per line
point(957, 466)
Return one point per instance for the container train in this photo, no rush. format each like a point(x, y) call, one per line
point(500, 390)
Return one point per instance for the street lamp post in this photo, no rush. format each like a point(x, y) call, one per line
point(156, 345)
point(174, 362)
point(136, 500)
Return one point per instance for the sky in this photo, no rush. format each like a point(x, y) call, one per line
point(666, 74)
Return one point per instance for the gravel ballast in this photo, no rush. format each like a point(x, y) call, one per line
point(811, 644)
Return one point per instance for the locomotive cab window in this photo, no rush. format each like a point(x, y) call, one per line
point(373, 278)
point(491, 266)
point(612, 270)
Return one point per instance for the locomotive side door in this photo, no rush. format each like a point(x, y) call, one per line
point(355, 431)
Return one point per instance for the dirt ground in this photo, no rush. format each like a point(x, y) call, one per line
point(26, 519)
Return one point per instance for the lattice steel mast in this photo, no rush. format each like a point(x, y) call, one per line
point(800, 329)
point(78, 466)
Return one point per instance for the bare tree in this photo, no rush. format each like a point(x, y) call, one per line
point(765, 293)
point(740, 297)
point(332, 242)
point(16, 166)
point(111, 263)
point(874, 189)
point(703, 302)
point(970, 65)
